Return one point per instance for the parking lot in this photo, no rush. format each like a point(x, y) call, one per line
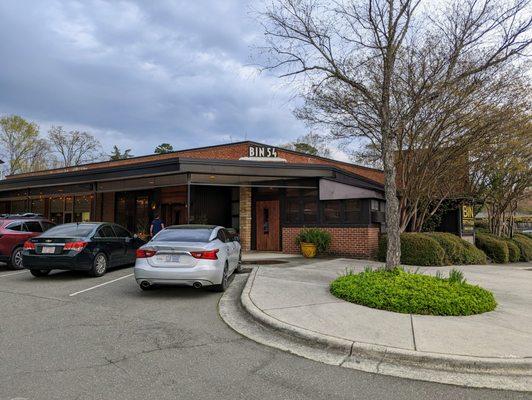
point(67, 336)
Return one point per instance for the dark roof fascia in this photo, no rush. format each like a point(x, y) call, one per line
point(90, 175)
point(356, 180)
point(192, 165)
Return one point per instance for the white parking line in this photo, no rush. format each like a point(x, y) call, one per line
point(101, 284)
point(13, 273)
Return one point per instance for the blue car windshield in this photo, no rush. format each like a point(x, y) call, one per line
point(69, 230)
point(183, 235)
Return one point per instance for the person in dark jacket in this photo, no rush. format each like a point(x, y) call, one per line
point(156, 226)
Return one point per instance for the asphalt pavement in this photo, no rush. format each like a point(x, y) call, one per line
point(68, 336)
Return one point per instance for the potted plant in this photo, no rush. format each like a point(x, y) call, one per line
point(313, 241)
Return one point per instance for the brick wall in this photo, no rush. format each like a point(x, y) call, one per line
point(245, 218)
point(350, 242)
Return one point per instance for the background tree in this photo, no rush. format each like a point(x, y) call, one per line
point(23, 149)
point(311, 143)
point(348, 56)
point(503, 176)
point(73, 147)
point(117, 154)
point(164, 148)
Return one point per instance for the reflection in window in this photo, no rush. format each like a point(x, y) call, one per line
point(332, 211)
point(266, 220)
point(310, 211)
point(352, 210)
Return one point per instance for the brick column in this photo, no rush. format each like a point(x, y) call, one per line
point(245, 218)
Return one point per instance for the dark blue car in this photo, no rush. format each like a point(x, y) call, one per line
point(87, 246)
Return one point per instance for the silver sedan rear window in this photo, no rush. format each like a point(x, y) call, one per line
point(183, 235)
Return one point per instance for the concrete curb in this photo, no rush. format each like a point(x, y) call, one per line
point(497, 373)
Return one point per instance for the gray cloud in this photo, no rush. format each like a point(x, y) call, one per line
point(138, 73)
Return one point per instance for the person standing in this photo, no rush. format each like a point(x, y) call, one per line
point(156, 226)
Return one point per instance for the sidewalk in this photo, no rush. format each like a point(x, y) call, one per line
point(495, 347)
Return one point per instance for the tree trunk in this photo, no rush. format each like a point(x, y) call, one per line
point(393, 252)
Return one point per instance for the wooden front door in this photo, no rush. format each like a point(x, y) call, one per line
point(267, 227)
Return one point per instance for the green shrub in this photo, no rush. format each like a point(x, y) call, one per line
point(514, 253)
point(406, 292)
point(416, 249)
point(495, 248)
point(457, 250)
point(321, 238)
point(525, 246)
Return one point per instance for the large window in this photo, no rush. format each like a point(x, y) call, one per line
point(303, 207)
point(332, 211)
point(352, 210)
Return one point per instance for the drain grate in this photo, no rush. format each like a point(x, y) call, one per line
point(264, 262)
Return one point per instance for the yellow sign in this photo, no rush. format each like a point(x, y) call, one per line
point(467, 212)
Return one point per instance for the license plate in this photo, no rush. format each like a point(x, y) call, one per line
point(48, 250)
point(168, 258)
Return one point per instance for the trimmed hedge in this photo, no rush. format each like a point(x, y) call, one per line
point(495, 248)
point(406, 292)
point(416, 249)
point(514, 253)
point(525, 246)
point(457, 250)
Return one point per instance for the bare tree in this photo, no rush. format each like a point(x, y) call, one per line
point(311, 143)
point(503, 178)
point(74, 147)
point(348, 56)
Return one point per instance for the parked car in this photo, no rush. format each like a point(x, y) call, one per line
point(15, 229)
point(191, 255)
point(84, 246)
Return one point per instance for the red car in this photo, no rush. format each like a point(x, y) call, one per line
point(14, 231)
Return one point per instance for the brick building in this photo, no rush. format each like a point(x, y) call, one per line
point(266, 193)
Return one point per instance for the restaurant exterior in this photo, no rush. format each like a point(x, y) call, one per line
point(267, 194)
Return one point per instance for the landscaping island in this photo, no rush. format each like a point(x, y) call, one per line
point(413, 293)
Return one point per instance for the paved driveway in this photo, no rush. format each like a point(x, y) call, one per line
point(67, 336)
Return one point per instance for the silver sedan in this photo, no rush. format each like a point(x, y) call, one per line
point(191, 255)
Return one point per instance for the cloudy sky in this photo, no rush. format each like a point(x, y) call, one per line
point(138, 73)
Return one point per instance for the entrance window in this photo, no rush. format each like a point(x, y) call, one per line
point(292, 210)
point(82, 209)
point(266, 220)
point(141, 212)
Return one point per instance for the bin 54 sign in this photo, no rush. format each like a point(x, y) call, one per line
point(262, 151)
point(468, 220)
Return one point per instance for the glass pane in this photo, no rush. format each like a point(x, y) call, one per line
point(183, 235)
point(142, 221)
point(33, 226)
point(352, 210)
point(69, 230)
point(37, 206)
point(292, 210)
point(121, 232)
point(266, 220)
point(374, 205)
point(292, 192)
point(56, 205)
point(69, 203)
point(332, 211)
point(18, 207)
point(310, 211)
